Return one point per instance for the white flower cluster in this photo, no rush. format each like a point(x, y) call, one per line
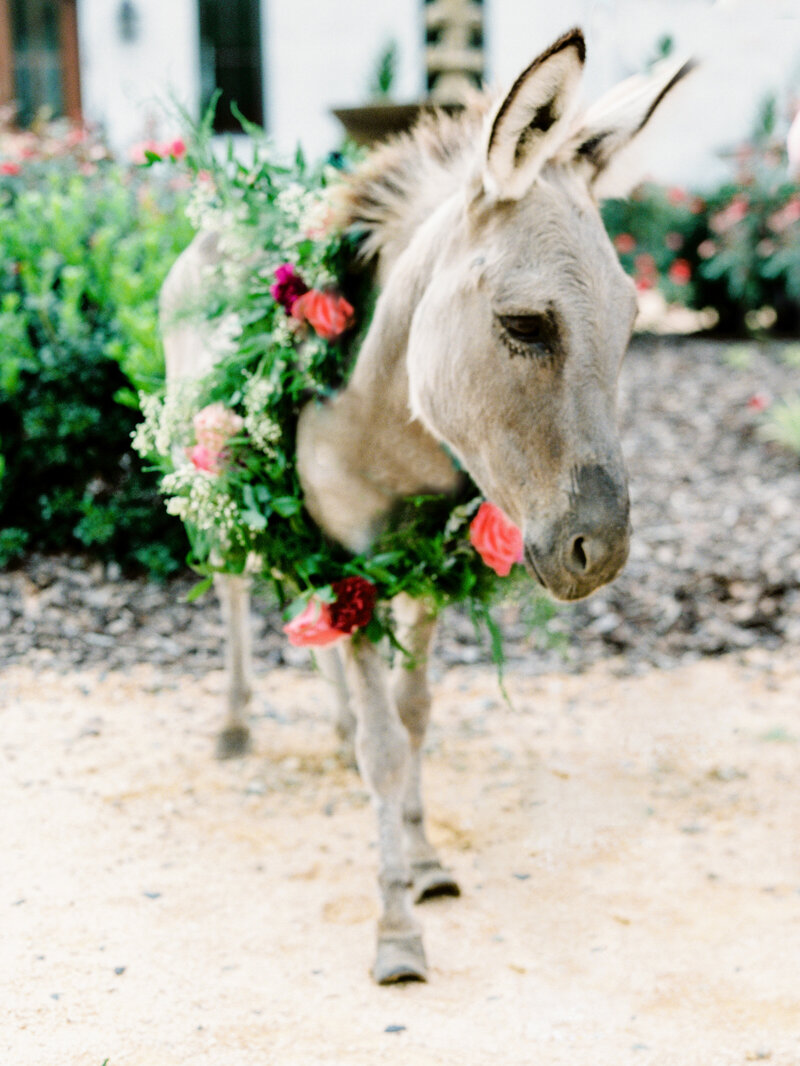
point(264, 432)
point(167, 423)
point(203, 502)
point(202, 207)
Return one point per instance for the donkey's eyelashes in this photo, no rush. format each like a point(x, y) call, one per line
point(532, 334)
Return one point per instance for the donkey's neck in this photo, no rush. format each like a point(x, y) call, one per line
point(363, 451)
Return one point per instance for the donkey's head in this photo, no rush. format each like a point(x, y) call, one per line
point(517, 340)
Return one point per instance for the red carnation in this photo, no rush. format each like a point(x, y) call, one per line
point(289, 287)
point(355, 602)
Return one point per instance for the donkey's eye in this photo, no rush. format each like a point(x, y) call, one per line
point(538, 332)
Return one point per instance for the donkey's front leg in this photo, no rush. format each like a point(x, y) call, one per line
point(382, 749)
point(234, 595)
point(416, 625)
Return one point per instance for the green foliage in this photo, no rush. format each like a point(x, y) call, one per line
point(84, 246)
point(735, 249)
point(782, 423)
point(383, 77)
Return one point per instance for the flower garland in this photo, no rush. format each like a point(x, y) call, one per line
point(285, 324)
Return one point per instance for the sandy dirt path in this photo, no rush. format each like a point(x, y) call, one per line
point(628, 849)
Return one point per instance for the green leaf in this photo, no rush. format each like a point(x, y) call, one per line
point(199, 589)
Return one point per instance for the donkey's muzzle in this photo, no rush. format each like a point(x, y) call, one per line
point(589, 545)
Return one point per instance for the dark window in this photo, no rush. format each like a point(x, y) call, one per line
point(230, 60)
point(36, 59)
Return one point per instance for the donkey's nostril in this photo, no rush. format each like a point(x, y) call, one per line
point(578, 560)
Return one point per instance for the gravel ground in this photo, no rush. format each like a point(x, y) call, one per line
point(714, 566)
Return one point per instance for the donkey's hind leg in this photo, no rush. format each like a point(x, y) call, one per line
point(234, 595)
point(415, 631)
point(331, 666)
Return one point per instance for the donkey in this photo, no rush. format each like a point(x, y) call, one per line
point(497, 338)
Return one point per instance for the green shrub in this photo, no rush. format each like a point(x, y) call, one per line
point(84, 246)
point(735, 249)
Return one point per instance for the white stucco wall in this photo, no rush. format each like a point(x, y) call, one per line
point(127, 87)
point(323, 54)
point(319, 54)
point(746, 49)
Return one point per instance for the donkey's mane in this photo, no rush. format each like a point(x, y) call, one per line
point(402, 181)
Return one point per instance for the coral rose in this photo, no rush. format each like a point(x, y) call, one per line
point(355, 602)
point(328, 313)
point(496, 539)
point(312, 628)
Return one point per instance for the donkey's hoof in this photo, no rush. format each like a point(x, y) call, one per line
point(233, 742)
point(400, 959)
point(432, 880)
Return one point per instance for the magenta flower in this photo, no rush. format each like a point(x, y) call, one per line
point(289, 286)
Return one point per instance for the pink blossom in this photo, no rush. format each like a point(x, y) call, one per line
point(10, 168)
point(214, 426)
point(313, 627)
point(680, 272)
point(793, 147)
point(676, 195)
point(724, 220)
point(759, 402)
point(673, 240)
point(138, 152)
point(496, 539)
point(176, 150)
point(204, 459)
point(786, 216)
point(624, 243)
point(706, 249)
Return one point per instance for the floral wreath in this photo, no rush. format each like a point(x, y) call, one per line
point(286, 325)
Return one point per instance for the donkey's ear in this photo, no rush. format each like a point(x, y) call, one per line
point(531, 122)
point(620, 114)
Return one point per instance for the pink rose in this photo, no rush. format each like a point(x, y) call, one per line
point(624, 243)
point(203, 458)
point(328, 313)
point(496, 539)
point(313, 627)
point(214, 426)
point(759, 402)
point(10, 168)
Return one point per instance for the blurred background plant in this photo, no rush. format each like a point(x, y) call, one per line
point(85, 243)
